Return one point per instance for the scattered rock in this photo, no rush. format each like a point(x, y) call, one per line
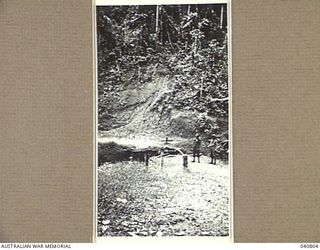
point(105, 222)
point(132, 234)
point(143, 233)
point(179, 233)
point(124, 201)
point(159, 233)
point(205, 233)
point(151, 208)
point(224, 233)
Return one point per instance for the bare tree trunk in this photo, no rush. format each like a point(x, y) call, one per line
point(157, 19)
point(195, 45)
point(188, 9)
point(161, 26)
point(221, 17)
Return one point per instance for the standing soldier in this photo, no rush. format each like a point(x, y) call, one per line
point(214, 149)
point(196, 148)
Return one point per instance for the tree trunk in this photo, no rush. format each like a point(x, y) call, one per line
point(221, 17)
point(161, 26)
point(169, 38)
point(157, 19)
point(195, 45)
point(201, 87)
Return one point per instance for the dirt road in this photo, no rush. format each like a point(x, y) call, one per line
point(135, 200)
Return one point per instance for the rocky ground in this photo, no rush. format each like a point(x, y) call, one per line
point(135, 200)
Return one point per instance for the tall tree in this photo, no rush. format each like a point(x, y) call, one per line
point(221, 17)
point(157, 18)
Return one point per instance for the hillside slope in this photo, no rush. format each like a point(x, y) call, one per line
point(162, 72)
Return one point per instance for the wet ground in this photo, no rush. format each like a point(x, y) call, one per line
point(135, 200)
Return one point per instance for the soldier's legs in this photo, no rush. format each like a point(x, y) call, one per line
point(198, 155)
point(216, 155)
point(211, 156)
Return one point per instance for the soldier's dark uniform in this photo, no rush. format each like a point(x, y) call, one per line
point(196, 148)
point(214, 149)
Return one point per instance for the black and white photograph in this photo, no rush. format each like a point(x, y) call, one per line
point(164, 165)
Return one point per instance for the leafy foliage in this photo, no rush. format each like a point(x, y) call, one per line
point(185, 43)
point(112, 152)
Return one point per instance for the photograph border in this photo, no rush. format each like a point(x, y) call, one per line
point(151, 240)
